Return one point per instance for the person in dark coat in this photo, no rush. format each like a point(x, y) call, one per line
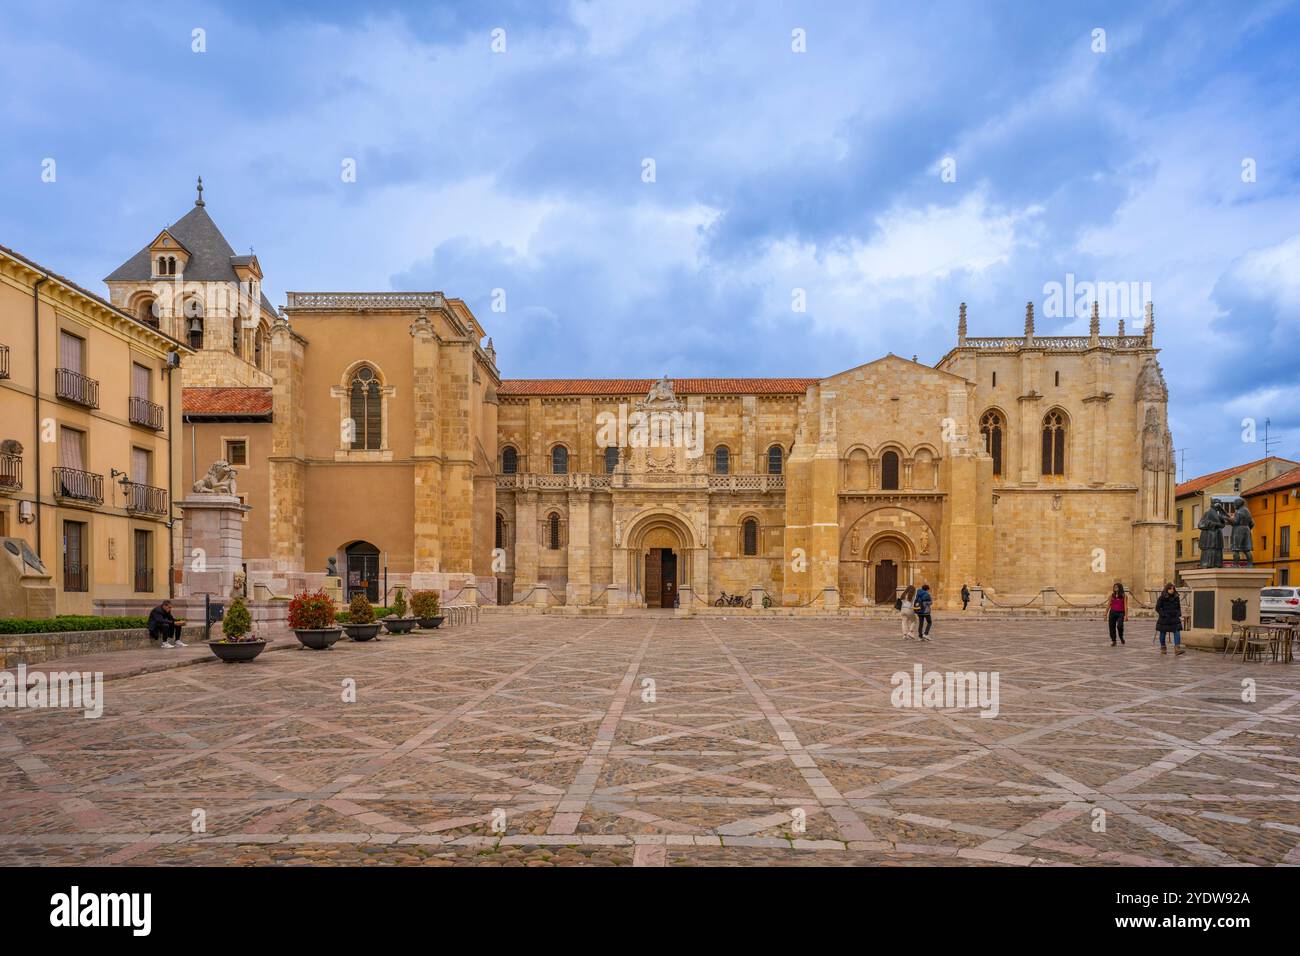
point(922, 605)
point(1169, 618)
point(965, 596)
point(163, 625)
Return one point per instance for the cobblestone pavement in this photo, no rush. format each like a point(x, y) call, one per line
point(536, 741)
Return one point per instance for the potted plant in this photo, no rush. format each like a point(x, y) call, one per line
point(238, 642)
point(424, 605)
point(361, 624)
point(311, 615)
point(399, 622)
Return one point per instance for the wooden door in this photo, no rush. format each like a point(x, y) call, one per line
point(668, 562)
point(653, 578)
point(886, 581)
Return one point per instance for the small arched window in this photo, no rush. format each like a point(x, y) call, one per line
point(366, 410)
point(509, 460)
point(722, 460)
point(1054, 435)
point(611, 459)
point(171, 265)
point(259, 348)
point(501, 532)
point(992, 428)
point(749, 537)
point(553, 531)
point(162, 265)
point(775, 459)
point(148, 312)
point(559, 460)
point(889, 471)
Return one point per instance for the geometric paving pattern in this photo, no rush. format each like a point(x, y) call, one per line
point(528, 740)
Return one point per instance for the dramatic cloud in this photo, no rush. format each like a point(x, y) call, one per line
point(911, 159)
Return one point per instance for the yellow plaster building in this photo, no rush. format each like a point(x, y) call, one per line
point(1275, 506)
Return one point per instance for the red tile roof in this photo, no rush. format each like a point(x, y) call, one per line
point(640, 386)
point(226, 401)
point(1288, 479)
point(1193, 485)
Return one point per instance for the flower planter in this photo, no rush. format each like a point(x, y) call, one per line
point(430, 623)
point(236, 652)
point(400, 625)
point(318, 639)
point(362, 632)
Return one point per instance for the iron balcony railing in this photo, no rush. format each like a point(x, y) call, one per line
point(146, 413)
point(145, 499)
point(143, 580)
point(11, 472)
point(76, 387)
point(79, 485)
point(76, 577)
point(4, 361)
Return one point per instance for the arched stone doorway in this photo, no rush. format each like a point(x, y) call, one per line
point(660, 556)
point(361, 571)
point(888, 567)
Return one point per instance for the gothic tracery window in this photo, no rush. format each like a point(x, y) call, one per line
point(1054, 435)
point(366, 410)
point(992, 428)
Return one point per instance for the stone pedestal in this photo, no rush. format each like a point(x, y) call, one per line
point(26, 586)
point(214, 545)
point(1214, 592)
point(756, 597)
point(830, 598)
point(542, 596)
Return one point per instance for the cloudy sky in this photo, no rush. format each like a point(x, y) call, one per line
point(909, 157)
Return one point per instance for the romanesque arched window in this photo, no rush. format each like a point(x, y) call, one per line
point(611, 459)
point(366, 409)
point(992, 428)
point(553, 531)
point(259, 346)
point(559, 460)
point(1055, 430)
point(775, 459)
point(509, 460)
point(749, 537)
point(889, 471)
point(722, 460)
point(501, 532)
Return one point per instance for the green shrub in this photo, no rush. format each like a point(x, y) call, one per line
point(360, 611)
point(399, 604)
point(345, 617)
point(69, 622)
point(237, 622)
point(424, 603)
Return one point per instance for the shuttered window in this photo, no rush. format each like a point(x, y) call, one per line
point(750, 529)
point(72, 353)
point(140, 380)
point(72, 448)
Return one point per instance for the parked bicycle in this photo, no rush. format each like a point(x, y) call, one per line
point(733, 600)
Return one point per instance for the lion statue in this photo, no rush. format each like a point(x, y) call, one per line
point(220, 480)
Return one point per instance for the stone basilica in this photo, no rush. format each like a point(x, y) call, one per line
point(375, 428)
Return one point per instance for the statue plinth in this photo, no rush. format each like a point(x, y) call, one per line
point(214, 544)
point(1214, 607)
point(333, 586)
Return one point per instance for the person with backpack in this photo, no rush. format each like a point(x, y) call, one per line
point(904, 606)
point(1117, 613)
point(1169, 618)
point(922, 604)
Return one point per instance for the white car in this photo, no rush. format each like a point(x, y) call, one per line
point(1282, 604)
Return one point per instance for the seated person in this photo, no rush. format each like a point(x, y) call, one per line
point(162, 624)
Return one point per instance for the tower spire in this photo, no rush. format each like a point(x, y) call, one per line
point(199, 200)
point(1149, 327)
point(961, 324)
point(1029, 319)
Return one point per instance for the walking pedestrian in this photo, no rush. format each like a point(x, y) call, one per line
point(907, 612)
point(1117, 614)
point(965, 597)
point(924, 621)
point(1169, 618)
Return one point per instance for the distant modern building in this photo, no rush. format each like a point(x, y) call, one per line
point(1193, 495)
